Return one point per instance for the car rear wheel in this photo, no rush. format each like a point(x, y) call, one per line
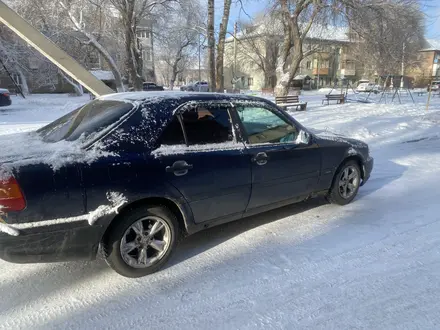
point(142, 241)
point(345, 184)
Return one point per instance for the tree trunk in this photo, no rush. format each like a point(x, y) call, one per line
point(221, 46)
point(110, 61)
point(134, 62)
point(287, 75)
point(24, 85)
point(77, 88)
point(211, 45)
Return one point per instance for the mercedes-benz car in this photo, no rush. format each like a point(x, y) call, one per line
point(132, 173)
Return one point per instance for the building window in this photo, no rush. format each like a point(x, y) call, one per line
point(350, 65)
point(309, 64)
point(142, 34)
point(325, 64)
point(250, 81)
point(146, 55)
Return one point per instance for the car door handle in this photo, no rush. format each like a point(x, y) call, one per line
point(179, 168)
point(260, 158)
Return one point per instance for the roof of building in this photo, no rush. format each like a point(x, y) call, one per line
point(271, 26)
point(431, 45)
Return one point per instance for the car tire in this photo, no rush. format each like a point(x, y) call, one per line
point(346, 183)
point(132, 250)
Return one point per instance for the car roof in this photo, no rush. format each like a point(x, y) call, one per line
point(178, 96)
point(3, 90)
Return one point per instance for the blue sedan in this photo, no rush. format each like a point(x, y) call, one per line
point(134, 172)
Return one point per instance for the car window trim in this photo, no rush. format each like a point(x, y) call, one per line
point(186, 106)
point(275, 111)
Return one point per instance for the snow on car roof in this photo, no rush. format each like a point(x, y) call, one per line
point(4, 90)
point(162, 95)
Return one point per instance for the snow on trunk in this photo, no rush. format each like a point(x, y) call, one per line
point(4, 228)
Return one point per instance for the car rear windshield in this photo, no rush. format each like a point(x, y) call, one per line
point(89, 119)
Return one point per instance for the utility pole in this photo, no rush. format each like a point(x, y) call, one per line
point(235, 56)
point(317, 64)
point(403, 65)
point(200, 73)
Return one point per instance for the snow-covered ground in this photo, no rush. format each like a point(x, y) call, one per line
point(374, 264)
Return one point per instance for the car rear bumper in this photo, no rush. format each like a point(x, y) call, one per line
point(5, 101)
point(368, 168)
point(60, 242)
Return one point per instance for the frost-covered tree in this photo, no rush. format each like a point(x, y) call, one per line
point(93, 19)
point(178, 36)
point(299, 16)
point(386, 36)
point(131, 13)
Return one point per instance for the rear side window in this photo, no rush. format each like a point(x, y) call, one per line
point(85, 121)
point(203, 125)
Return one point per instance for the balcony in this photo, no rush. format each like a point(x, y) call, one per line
point(322, 71)
point(348, 72)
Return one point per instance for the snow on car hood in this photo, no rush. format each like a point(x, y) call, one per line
point(331, 136)
point(28, 148)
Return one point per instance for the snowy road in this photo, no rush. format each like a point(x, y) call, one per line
point(374, 264)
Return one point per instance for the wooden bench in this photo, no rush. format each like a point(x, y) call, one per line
point(339, 98)
point(290, 101)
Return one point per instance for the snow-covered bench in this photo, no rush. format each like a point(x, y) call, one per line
point(290, 101)
point(339, 98)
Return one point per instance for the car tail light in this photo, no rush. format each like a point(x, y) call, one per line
point(11, 197)
point(6, 94)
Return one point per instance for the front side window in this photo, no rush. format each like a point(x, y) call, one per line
point(264, 126)
point(203, 125)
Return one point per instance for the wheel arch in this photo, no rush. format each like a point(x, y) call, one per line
point(357, 158)
point(184, 218)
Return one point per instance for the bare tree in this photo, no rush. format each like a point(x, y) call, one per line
point(298, 17)
point(14, 54)
point(211, 45)
point(259, 44)
point(178, 34)
point(84, 16)
point(132, 13)
point(390, 33)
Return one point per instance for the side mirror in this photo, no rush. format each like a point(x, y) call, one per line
point(303, 138)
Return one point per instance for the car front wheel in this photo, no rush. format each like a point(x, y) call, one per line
point(345, 184)
point(142, 241)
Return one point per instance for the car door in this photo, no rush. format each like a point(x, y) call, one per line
point(204, 161)
point(285, 162)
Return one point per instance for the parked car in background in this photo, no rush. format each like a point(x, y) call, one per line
point(365, 87)
point(435, 86)
point(133, 172)
point(150, 86)
point(5, 97)
point(198, 86)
